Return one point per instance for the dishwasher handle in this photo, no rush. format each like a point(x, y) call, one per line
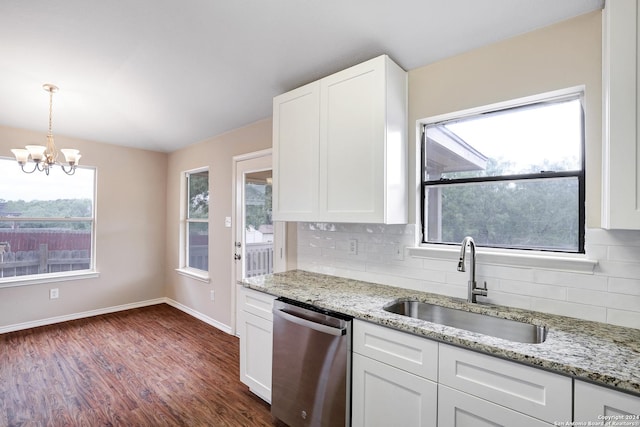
point(310, 324)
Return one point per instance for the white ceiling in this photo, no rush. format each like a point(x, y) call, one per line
point(163, 74)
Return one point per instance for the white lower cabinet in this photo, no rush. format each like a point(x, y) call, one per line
point(599, 404)
point(527, 390)
point(393, 378)
point(387, 396)
point(255, 328)
point(400, 379)
point(458, 409)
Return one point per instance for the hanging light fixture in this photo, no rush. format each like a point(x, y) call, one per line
point(43, 156)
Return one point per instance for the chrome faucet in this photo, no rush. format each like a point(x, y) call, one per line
point(473, 290)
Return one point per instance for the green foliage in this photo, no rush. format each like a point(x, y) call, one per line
point(199, 195)
point(541, 214)
point(258, 205)
point(61, 208)
point(528, 214)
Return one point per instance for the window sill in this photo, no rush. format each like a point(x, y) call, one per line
point(9, 282)
point(511, 258)
point(200, 275)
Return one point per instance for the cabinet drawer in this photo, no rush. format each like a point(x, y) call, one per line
point(592, 403)
point(458, 409)
point(409, 352)
point(532, 391)
point(257, 303)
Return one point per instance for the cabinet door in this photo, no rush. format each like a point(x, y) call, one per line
point(386, 396)
point(621, 154)
point(295, 154)
point(598, 404)
point(352, 111)
point(255, 354)
point(458, 409)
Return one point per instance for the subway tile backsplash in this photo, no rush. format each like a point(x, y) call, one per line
point(610, 294)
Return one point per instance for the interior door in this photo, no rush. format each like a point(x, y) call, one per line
point(259, 242)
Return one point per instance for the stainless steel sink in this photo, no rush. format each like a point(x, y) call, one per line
point(475, 322)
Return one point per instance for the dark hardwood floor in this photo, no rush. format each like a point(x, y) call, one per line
point(153, 366)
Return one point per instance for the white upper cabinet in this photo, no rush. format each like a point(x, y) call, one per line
point(296, 127)
point(621, 153)
point(340, 147)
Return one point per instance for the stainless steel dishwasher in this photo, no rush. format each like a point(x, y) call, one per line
point(311, 378)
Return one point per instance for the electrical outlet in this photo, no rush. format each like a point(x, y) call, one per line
point(54, 293)
point(213, 295)
point(353, 247)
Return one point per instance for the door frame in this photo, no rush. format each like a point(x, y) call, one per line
point(237, 224)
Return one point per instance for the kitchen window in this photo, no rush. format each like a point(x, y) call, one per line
point(510, 177)
point(47, 224)
point(196, 222)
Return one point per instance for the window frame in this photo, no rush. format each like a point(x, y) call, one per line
point(580, 174)
point(43, 278)
point(185, 220)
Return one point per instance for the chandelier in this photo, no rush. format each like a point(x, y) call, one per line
point(43, 156)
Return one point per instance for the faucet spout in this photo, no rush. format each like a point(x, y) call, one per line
point(473, 289)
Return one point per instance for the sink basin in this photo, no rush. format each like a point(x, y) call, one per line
point(511, 330)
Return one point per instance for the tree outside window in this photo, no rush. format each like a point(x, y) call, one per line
point(510, 178)
point(197, 220)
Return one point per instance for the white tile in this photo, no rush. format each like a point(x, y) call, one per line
point(623, 270)
point(564, 308)
point(613, 237)
point(611, 294)
point(506, 273)
point(533, 289)
point(448, 290)
point(629, 319)
point(629, 254)
point(456, 278)
point(414, 273)
point(586, 296)
point(624, 286)
point(408, 262)
point(596, 252)
point(508, 300)
point(442, 265)
point(577, 280)
point(623, 302)
point(309, 251)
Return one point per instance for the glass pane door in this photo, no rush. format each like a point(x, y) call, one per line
point(258, 224)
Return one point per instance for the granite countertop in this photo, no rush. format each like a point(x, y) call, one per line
point(604, 354)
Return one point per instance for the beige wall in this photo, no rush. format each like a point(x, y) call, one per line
point(217, 154)
point(131, 211)
point(139, 191)
point(560, 56)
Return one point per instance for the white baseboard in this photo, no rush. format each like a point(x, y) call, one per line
point(75, 316)
point(206, 319)
point(58, 319)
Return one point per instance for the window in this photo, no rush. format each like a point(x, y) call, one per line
point(196, 221)
point(46, 222)
point(510, 177)
point(258, 223)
